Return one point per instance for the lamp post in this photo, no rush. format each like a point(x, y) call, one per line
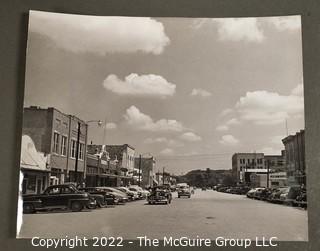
point(99, 122)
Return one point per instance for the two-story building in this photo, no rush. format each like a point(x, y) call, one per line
point(56, 135)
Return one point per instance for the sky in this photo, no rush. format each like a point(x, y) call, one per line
point(189, 91)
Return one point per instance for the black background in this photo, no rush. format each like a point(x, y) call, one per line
point(13, 38)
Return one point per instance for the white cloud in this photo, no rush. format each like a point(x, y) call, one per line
point(233, 121)
point(226, 112)
point(222, 128)
point(101, 35)
point(229, 140)
point(200, 92)
point(239, 29)
point(164, 140)
point(277, 140)
point(269, 108)
point(111, 125)
point(297, 91)
point(141, 121)
point(190, 136)
point(144, 85)
point(290, 23)
point(167, 151)
point(270, 150)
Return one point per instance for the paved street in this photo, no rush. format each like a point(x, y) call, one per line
point(207, 214)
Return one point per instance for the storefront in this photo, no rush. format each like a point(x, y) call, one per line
point(33, 165)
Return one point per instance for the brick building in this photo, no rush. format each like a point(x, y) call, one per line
point(55, 134)
point(295, 158)
point(119, 168)
point(147, 168)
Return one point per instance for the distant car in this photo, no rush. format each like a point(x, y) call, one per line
point(275, 195)
point(184, 192)
point(203, 188)
point(107, 198)
point(251, 192)
point(159, 195)
point(301, 199)
point(65, 196)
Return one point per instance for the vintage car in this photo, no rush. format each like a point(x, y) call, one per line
point(159, 195)
point(65, 196)
point(120, 197)
point(184, 192)
point(102, 198)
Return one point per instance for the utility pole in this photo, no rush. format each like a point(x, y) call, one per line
point(77, 155)
point(139, 175)
point(162, 175)
point(268, 167)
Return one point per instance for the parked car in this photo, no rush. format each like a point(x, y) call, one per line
point(289, 195)
point(301, 199)
point(141, 192)
point(120, 196)
point(159, 195)
point(251, 192)
point(108, 198)
point(275, 195)
point(132, 195)
point(65, 196)
point(257, 193)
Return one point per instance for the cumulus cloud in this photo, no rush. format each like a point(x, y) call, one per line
point(263, 107)
point(101, 35)
point(239, 29)
point(144, 85)
point(164, 140)
point(233, 121)
point(140, 121)
point(167, 151)
point(222, 128)
point(190, 136)
point(200, 92)
point(229, 140)
point(111, 126)
point(226, 112)
point(290, 23)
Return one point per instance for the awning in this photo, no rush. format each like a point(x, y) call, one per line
point(30, 158)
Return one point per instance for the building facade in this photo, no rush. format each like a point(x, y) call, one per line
point(245, 164)
point(34, 168)
point(118, 167)
point(146, 167)
point(295, 158)
point(56, 135)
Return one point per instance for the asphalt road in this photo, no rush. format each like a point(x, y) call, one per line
point(207, 214)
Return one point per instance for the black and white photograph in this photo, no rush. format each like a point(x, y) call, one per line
point(163, 127)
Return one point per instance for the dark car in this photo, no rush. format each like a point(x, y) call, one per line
point(65, 196)
point(103, 198)
point(184, 192)
point(159, 195)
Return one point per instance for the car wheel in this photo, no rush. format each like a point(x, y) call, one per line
point(149, 202)
point(28, 208)
point(76, 206)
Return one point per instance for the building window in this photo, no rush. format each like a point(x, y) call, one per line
point(56, 142)
point(63, 145)
point(73, 148)
point(81, 151)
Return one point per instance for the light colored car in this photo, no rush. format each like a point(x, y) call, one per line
point(133, 195)
point(142, 193)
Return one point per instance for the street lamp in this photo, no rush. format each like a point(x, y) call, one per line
point(99, 122)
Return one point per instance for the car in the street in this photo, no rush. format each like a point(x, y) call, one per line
point(64, 196)
point(275, 195)
point(251, 193)
point(301, 199)
point(159, 194)
point(184, 192)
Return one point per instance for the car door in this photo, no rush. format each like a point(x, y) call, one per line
point(52, 197)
